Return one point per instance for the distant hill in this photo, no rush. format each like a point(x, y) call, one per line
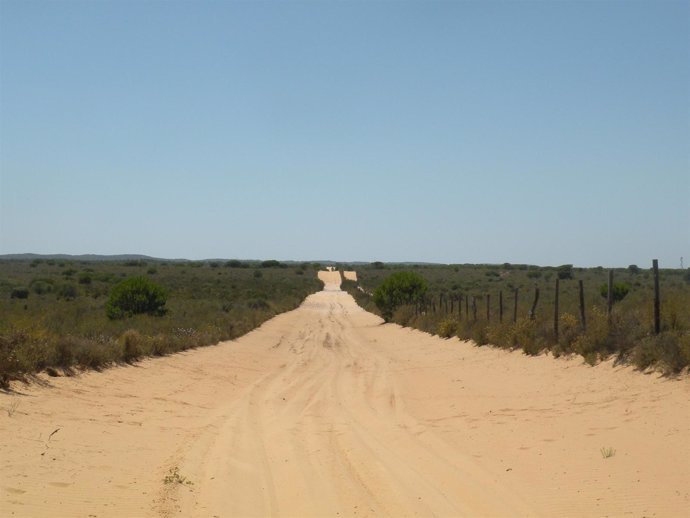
point(140, 257)
point(83, 257)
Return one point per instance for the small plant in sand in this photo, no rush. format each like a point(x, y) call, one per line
point(174, 477)
point(12, 408)
point(607, 452)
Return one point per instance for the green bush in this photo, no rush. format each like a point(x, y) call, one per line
point(234, 263)
point(565, 271)
point(398, 289)
point(272, 263)
point(19, 293)
point(136, 295)
point(258, 304)
point(67, 291)
point(620, 290)
point(41, 286)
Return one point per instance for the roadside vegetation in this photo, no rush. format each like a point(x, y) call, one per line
point(58, 315)
point(465, 301)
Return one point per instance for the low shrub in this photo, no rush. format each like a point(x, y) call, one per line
point(479, 334)
point(569, 330)
point(398, 289)
point(19, 293)
point(131, 343)
point(136, 295)
point(620, 290)
point(41, 286)
point(95, 355)
point(447, 328)
point(669, 349)
point(258, 304)
point(67, 291)
point(9, 365)
point(403, 315)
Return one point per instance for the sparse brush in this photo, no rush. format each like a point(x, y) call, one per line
point(607, 452)
point(626, 332)
point(61, 329)
point(174, 477)
point(131, 345)
point(12, 408)
point(447, 328)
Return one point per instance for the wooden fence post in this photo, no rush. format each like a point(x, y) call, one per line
point(474, 307)
point(500, 306)
point(533, 311)
point(583, 321)
point(488, 307)
point(515, 306)
point(609, 297)
point(467, 307)
point(657, 301)
point(555, 311)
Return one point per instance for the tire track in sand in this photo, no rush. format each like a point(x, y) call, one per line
point(327, 434)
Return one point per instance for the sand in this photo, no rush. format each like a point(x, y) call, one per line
point(324, 411)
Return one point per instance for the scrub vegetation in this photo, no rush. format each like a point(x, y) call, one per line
point(465, 300)
point(58, 315)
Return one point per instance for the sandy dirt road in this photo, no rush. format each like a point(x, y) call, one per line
point(323, 411)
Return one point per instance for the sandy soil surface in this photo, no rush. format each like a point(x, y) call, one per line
point(350, 276)
point(323, 411)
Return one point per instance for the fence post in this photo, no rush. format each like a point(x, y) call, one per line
point(657, 301)
point(533, 311)
point(515, 306)
point(467, 307)
point(488, 307)
point(474, 307)
point(609, 298)
point(555, 311)
point(583, 321)
point(500, 306)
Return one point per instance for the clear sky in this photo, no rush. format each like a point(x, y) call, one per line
point(543, 132)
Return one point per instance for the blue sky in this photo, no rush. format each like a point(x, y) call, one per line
point(458, 132)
